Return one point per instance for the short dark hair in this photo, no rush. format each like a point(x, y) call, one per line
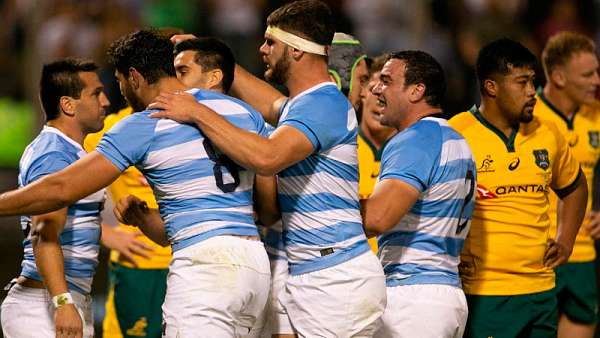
point(61, 78)
point(311, 19)
point(499, 56)
point(146, 50)
point(423, 68)
point(562, 46)
point(211, 53)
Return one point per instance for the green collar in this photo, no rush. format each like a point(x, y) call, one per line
point(555, 110)
point(508, 141)
point(376, 153)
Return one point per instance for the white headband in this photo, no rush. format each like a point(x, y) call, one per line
point(297, 42)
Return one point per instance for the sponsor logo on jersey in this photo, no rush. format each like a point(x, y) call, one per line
point(514, 164)
point(484, 193)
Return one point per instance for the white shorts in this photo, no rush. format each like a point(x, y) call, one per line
point(216, 288)
point(424, 311)
point(345, 300)
point(278, 321)
point(29, 313)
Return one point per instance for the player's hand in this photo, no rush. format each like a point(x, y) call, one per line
point(126, 243)
point(556, 254)
point(68, 322)
point(177, 38)
point(131, 210)
point(593, 225)
point(180, 106)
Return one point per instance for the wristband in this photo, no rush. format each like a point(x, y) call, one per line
point(62, 299)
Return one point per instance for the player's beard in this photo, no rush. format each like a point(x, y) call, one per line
point(279, 71)
point(526, 114)
point(132, 99)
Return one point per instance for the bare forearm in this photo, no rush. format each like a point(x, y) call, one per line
point(40, 197)
point(571, 212)
point(249, 150)
point(256, 92)
point(49, 261)
point(265, 200)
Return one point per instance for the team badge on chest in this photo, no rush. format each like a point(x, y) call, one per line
point(542, 159)
point(594, 138)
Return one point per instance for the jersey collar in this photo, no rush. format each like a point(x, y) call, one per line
point(509, 142)
point(555, 110)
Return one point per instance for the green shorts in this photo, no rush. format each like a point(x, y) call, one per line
point(531, 315)
point(138, 297)
point(576, 292)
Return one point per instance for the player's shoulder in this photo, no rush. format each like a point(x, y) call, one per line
point(463, 121)
point(223, 104)
point(324, 95)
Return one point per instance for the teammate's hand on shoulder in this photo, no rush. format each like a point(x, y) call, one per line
point(177, 38)
point(68, 322)
point(131, 210)
point(593, 225)
point(181, 107)
point(556, 254)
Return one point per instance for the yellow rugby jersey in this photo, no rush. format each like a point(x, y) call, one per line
point(129, 183)
point(582, 132)
point(503, 253)
point(369, 161)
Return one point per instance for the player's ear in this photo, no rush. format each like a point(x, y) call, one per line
point(67, 105)
point(557, 76)
point(215, 78)
point(490, 87)
point(417, 92)
point(135, 78)
point(296, 53)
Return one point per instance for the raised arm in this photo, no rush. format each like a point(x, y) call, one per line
point(45, 234)
point(84, 177)
point(258, 93)
point(286, 146)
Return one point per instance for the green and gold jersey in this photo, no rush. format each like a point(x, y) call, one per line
point(131, 183)
point(503, 254)
point(582, 132)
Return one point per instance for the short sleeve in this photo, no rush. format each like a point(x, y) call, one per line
point(127, 143)
point(326, 121)
point(410, 158)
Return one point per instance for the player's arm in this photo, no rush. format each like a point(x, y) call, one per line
point(259, 94)
point(82, 178)
point(390, 201)
point(593, 224)
point(571, 211)
point(265, 199)
point(45, 239)
point(133, 211)
point(286, 146)
point(126, 243)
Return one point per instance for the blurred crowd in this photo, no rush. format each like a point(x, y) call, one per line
point(35, 31)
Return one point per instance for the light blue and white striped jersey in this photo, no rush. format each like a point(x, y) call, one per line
point(50, 152)
point(200, 192)
point(424, 247)
point(318, 196)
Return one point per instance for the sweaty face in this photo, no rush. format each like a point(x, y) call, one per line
point(581, 77)
point(188, 71)
point(90, 108)
point(360, 77)
point(371, 106)
point(516, 94)
point(128, 93)
point(392, 94)
point(274, 54)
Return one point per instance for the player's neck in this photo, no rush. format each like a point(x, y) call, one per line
point(492, 114)
point(164, 85)
point(306, 75)
point(68, 128)
point(560, 100)
point(417, 112)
